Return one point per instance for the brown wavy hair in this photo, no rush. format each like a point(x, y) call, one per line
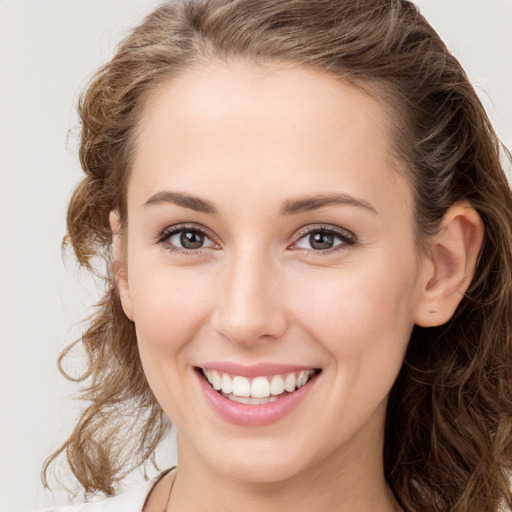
point(448, 441)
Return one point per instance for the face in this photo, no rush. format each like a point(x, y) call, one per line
point(270, 253)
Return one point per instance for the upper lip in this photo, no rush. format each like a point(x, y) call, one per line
point(254, 370)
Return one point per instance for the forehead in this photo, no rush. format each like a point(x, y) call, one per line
point(235, 93)
point(262, 125)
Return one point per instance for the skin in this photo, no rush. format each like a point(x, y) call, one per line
point(249, 141)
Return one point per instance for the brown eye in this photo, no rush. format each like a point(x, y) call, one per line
point(321, 241)
point(325, 239)
point(191, 239)
point(185, 239)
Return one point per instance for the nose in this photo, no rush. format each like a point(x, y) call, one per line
point(250, 305)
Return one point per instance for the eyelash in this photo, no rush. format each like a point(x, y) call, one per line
point(347, 238)
point(163, 238)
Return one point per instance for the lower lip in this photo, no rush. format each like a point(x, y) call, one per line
point(256, 415)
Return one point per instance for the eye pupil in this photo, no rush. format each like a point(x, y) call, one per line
point(191, 239)
point(320, 240)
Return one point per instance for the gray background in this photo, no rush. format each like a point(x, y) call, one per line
point(48, 48)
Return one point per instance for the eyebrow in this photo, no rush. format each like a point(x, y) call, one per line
point(316, 202)
point(184, 200)
point(289, 207)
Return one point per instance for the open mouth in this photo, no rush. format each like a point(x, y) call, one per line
point(257, 390)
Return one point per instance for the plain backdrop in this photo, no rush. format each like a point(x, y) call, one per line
point(48, 48)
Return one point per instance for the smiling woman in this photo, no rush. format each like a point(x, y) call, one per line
point(308, 230)
point(274, 279)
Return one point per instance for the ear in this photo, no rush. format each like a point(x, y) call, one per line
point(450, 265)
point(119, 267)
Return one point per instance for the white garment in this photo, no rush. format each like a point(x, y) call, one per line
point(129, 501)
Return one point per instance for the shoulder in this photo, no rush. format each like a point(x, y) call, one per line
point(129, 501)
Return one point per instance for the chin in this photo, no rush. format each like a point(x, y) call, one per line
point(258, 472)
point(259, 462)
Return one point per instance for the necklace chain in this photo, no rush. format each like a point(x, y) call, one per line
point(168, 501)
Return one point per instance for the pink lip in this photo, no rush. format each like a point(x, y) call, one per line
point(253, 415)
point(256, 370)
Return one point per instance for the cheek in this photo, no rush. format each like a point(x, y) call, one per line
point(361, 312)
point(363, 321)
point(168, 309)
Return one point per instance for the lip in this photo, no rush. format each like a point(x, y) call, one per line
point(259, 415)
point(254, 370)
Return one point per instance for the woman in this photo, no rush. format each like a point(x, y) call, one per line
point(308, 231)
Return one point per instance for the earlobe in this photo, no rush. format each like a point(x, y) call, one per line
point(451, 265)
point(119, 267)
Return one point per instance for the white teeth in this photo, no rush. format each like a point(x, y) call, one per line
point(263, 389)
point(260, 388)
point(303, 378)
point(277, 385)
point(250, 400)
point(216, 382)
point(290, 382)
point(241, 386)
point(227, 384)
